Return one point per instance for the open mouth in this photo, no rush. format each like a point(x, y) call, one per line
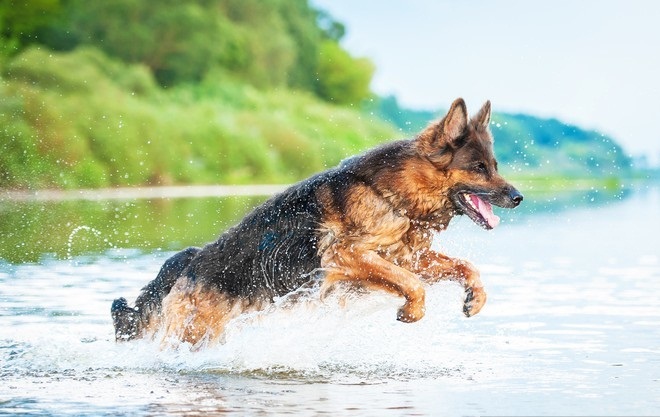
point(477, 209)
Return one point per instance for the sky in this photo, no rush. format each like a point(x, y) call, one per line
point(593, 63)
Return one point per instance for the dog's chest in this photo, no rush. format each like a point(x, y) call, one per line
point(412, 241)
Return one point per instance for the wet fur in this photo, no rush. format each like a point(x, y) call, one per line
point(368, 221)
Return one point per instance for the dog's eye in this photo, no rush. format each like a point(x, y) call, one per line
point(480, 167)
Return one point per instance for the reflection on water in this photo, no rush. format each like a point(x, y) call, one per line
point(537, 202)
point(570, 328)
point(30, 229)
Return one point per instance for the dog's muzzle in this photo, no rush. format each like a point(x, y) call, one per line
point(515, 196)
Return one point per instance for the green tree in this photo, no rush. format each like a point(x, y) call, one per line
point(268, 43)
point(343, 79)
point(19, 20)
point(270, 50)
point(177, 40)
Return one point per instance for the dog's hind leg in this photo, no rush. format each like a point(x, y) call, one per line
point(129, 322)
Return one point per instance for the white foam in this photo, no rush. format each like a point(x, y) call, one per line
point(357, 336)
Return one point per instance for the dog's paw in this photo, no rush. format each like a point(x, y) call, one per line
point(475, 298)
point(411, 312)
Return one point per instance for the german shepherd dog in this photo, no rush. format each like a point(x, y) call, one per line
point(370, 221)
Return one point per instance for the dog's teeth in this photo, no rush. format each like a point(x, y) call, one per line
point(469, 200)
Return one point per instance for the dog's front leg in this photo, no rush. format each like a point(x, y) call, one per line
point(366, 266)
point(433, 266)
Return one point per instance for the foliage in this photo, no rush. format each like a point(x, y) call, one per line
point(267, 43)
point(19, 20)
point(177, 41)
point(342, 79)
point(82, 119)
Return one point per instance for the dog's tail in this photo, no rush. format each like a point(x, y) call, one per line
point(129, 322)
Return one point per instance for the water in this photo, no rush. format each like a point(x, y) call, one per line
point(571, 327)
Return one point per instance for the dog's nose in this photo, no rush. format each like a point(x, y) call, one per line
point(516, 197)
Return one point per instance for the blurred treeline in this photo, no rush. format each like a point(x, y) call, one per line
point(531, 147)
point(131, 92)
point(126, 92)
point(267, 43)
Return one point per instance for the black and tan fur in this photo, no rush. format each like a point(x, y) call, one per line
point(368, 221)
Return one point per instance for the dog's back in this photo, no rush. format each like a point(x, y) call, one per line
point(269, 252)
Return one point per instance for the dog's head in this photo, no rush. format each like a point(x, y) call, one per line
point(460, 150)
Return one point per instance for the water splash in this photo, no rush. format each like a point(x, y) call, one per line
point(74, 232)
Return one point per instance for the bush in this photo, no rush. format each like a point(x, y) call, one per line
point(81, 119)
point(342, 78)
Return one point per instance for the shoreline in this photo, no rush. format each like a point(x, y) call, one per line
point(133, 193)
point(528, 184)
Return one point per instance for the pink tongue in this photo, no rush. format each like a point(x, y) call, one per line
point(486, 211)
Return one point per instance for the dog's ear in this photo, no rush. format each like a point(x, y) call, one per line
point(448, 131)
point(482, 119)
point(455, 121)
